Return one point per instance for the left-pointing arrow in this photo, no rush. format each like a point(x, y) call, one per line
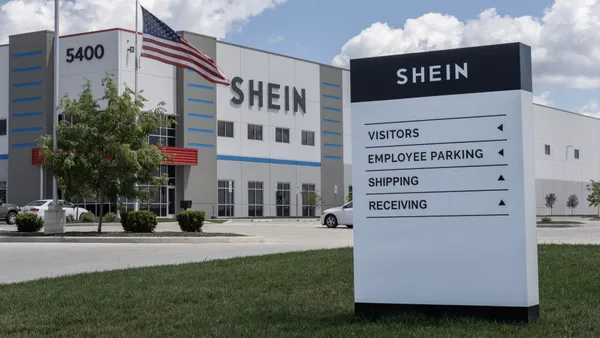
point(501, 152)
point(501, 127)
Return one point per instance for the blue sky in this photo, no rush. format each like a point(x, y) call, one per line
point(321, 38)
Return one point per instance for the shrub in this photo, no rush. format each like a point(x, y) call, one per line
point(29, 223)
point(87, 217)
point(124, 220)
point(139, 221)
point(111, 217)
point(546, 220)
point(70, 218)
point(191, 221)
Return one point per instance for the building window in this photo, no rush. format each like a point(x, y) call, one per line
point(282, 135)
point(308, 138)
point(225, 129)
point(255, 132)
point(350, 193)
point(576, 154)
point(164, 136)
point(255, 199)
point(547, 149)
point(225, 198)
point(3, 127)
point(309, 200)
point(282, 199)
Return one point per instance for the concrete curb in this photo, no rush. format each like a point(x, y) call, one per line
point(282, 220)
point(188, 240)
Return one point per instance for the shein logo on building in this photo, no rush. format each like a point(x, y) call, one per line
point(273, 94)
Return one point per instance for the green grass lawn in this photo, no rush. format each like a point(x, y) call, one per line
point(301, 294)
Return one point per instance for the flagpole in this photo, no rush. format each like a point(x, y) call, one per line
point(56, 95)
point(136, 205)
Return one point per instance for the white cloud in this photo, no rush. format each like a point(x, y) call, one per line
point(565, 40)
point(592, 108)
point(211, 17)
point(275, 39)
point(543, 99)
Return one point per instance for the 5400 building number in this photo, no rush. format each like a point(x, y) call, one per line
point(88, 53)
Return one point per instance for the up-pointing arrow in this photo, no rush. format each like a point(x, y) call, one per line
point(501, 127)
point(501, 203)
point(501, 152)
point(501, 178)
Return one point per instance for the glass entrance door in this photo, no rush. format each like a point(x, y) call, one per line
point(171, 201)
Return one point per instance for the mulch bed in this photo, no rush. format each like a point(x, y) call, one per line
point(119, 234)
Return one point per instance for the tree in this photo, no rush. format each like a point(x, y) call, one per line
point(550, 200)
point(594, 196)
point(104, 153)
point(312, 199)
point(572, 202)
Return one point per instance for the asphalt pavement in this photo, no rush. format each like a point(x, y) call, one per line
point(26, 261)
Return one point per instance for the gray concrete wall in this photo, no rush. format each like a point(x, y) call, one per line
point(30, 110)
point(270, 174)
point(332, 141)
point(562, 190)
point(196, 109)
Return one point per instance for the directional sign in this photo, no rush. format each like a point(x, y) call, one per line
point(230, 186)
point(443, 177)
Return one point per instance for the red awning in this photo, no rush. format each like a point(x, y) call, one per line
point(180, 156)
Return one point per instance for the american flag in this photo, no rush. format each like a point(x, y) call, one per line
point(161, 43)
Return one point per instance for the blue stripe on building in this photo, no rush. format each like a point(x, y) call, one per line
point(26, 130)
point(200, 145)
point(336, 158)
point(337, 110)
point(201, 116)
point(193, 85)
point(332, 121)
point(27, 84)
point(337, 98)
point(331, 85)
point(34, 113)
point(26, 69)
point(332, 133)
point(3, 156)
point(20, 55)
point(24, 145)
point(200, 101)
point(27, 99)
point(203, 131)
point(267, 160)
point(331, 145)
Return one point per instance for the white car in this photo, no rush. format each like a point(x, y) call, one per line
point(338, 215)
point(40, 206)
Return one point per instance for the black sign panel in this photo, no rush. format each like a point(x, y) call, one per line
point(449, 72)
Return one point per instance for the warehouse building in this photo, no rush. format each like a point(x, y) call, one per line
point(283, 127)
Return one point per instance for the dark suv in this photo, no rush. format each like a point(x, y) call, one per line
point(9, 212)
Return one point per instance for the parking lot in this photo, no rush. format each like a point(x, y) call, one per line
point(24, 261)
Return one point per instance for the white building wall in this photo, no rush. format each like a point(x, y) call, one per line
point(156, 80)
point(73, 75)
point(260, 66)
point(4, 82)
point(560, 172)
